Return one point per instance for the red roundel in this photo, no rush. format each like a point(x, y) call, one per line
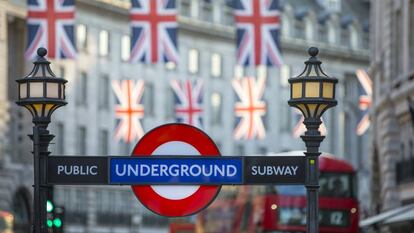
point(175, 139)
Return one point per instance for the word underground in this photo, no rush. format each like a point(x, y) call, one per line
point(274, 170)
point(183, 170)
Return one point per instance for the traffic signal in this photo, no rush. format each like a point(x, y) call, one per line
point(49, 216)
point(55, 214)
point(58, 219)
point(50, 207)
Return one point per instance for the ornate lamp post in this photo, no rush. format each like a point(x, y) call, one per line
point(41, 92)
point(312, 92)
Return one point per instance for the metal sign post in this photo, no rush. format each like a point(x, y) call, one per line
point(312, 92)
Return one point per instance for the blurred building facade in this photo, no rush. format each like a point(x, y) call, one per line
point(207, 51)
point(392, 69)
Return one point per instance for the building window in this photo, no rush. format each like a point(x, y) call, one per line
point(286, 118)
point(62, 71)
point(170, 103)
point(261, 71)
point(103, 43)
point(309, 30)
point(397, 45)
point(75, 202)
point(365, 40)
point(170, 65)
point(239, 150)
point(82, 90)
point(299, 29)
point(228, 16)
point(239, 71)
point(285, 27)
point(193, 56)
point(185, 8)
point(322, 33)
point(345, 37)
point(354, 38)
point(149, 99)
point(60, 147)
point(349, 134)
point(265, 116)
point(113, 208)
point(333, 5)
point(81, 140)
point(82, 37)
point(262, 150)
point(103, 142)
point(402, 148)
point(125, 47)
point(103, 98)
point(126, 148)
point(216, 108)
point(332, 34)
point(207, 11)
point(216, 65)
point(285, 72)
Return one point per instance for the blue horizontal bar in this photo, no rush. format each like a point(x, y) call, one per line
point(176, 170)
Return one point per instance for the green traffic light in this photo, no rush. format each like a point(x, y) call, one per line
point(49, 206)
point(57, 222)
point(49, 223)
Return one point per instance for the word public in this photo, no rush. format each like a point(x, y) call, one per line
point(77, 170)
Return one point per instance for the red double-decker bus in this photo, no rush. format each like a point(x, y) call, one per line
point(282, 208)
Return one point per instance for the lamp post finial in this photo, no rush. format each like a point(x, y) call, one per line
point(313, 51)
point(41, 52)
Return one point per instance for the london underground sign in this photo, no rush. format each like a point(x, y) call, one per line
point(175, 170)
point(175, 139)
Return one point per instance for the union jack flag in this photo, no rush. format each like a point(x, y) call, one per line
point(365, 101)
point(154, 31)
point(129, 111)
point(299, 129)
point(258, 32)
point(250, 109)
point(50, 24)
point(188, 102)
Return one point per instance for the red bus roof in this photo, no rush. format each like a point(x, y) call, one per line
point(330, 163)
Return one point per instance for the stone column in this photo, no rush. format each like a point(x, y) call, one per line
point(388, 136)
point(4, 115)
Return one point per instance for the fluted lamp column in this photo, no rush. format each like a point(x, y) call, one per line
point(312, 92)
point(41, 92)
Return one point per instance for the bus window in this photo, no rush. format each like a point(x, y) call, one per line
point(336, 185)
point(291, 190)
point(247, 211)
